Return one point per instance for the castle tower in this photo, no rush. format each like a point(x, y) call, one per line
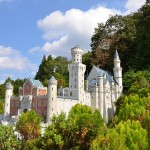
point(118, 73)
point(101, 93)
point(52, 99)
point(76, 73)
point(113, 96)
point(8, 94)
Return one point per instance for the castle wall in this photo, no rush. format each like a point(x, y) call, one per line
point(27, 89)
point(34, 91)
point(21, 91)
point(14, 106)
point(108, 109)
point(42, 105)
point(64, 105)
point(94, 98)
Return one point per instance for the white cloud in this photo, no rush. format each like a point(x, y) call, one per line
point(4, 51)
point(55, 45)
point(62, 31)
point(11, 59)
point(133, 5)
point(34, 49)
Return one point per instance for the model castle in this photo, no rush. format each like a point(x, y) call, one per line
point(102, 90)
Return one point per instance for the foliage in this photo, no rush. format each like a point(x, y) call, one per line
point(134, 107)
point(136, 136)
point(87, 60)
point(109, 140)
point(129, 34)
point(53, 66)
point(16, 84)
point(8, 139)
point(126, 135)
point(73, 132)
point(82, 128)
point(1, 106)
point(2, 91)
point(135, 80)
point(28, 125)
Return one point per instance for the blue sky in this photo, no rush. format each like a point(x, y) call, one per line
point(31, 28)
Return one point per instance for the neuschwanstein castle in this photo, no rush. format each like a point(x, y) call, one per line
point(102, 90)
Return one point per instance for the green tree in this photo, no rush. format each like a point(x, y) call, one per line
point(2, 91)
point(134, 107)
point(118, 32)
point(87, 60)
point(126, 135)
point(136, 136)
point(76, 131)
point(17, 84)
point(57, 67)
point(109, 140)
point(1, 106)
point(136, 80)
point(28, 125)
point(8, 140)
point(142, 39)
point(129, 34)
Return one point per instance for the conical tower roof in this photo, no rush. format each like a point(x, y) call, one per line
point(116, 56)
point(52, 78)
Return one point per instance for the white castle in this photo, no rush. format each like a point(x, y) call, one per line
point(101, 92)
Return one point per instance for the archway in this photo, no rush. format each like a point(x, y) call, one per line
point(25, 110)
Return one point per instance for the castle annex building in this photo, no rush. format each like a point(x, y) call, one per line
point(102, 90)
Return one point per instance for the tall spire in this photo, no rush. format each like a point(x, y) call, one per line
point(116, 56)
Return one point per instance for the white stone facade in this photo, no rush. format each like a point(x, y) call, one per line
point(102, 90)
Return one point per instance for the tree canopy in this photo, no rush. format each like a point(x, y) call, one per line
point(57, 67)
point(129, 34)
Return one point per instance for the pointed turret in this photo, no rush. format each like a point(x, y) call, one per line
point(116, 59)
point(118, 74)
point(116, 56)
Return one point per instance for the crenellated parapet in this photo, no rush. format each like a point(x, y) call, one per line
point(76, 53)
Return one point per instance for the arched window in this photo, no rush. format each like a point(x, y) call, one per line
point(70, 93)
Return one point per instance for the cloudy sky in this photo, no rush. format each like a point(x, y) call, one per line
point(31, 28)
